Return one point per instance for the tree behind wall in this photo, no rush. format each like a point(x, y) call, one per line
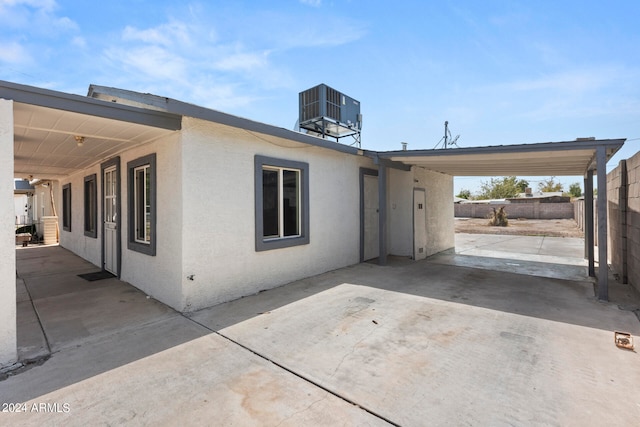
point(464, 194)
point(575, 190)
point(550, 185)
point(502, 188)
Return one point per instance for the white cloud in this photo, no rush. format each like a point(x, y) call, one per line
point(166, 35)
point(14, 53)
point(573, 93)
point(152, 61)
point(45, 5)
point(35, 18)
point(79, 41)
point(242, 61)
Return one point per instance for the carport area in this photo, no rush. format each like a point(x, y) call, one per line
point(582, 157)
point(410, 343)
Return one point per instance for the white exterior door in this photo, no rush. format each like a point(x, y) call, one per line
point(110, 220)
point(419, 224)
point(371, 218)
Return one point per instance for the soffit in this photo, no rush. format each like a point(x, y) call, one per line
point(569, 158)
point(45, 146)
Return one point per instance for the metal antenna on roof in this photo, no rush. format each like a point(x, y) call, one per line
point(448, 140)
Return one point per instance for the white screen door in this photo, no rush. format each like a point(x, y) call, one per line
point(110, 220)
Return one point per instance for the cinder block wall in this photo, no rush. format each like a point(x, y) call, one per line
point(517, 210)
point(623, 191)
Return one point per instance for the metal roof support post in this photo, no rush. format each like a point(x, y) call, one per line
point(589, 240)
point(382, 213)
point(603, 267)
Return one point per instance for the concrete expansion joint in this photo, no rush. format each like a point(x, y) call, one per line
point(35, 310)
point(291, 371)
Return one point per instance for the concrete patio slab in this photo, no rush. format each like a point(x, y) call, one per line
point(97, 312)
point(506, 351)
point(553, 257)
point(411, 343)
point(206, 381)
point(48, 260)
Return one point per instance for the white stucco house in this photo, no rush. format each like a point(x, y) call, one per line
point(196, 207)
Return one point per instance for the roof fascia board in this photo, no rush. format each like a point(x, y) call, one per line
point(377, 160)
point(84, 105)
point(518, 148)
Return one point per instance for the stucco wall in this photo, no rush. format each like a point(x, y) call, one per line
point(439, 211)
point(88, 248)
point(8, 346)
point(400, 212)
point(219, 215)
point(159, 275)
point(440, 220)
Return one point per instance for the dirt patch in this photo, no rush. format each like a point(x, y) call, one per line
point(521, 227)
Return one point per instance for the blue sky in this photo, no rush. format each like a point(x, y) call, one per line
point(501, 72)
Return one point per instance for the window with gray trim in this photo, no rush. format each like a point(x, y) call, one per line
point(282, 203)
point(66, 207)
point(90, 206)
point(142, 204)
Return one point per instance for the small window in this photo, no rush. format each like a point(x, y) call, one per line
point(142, 204)
point(282, 204)
point(66, 207)
point(90, 206)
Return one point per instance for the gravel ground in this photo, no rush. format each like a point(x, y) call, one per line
point(521, 227)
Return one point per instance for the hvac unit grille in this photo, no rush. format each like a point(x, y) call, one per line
point(329, 113)
point(333, 104)
point(311, 103)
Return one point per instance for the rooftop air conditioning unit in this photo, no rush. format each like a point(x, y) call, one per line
point(328, 112)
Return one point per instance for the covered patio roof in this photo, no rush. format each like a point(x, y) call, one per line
point(568, 158)
point(581, 157)
point(47, 123)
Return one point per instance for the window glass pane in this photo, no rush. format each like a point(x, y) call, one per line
point(66, 206)
point(140, 204)
point(270, 205)
point(291, 205)
point(108, 186)
point(89, 205)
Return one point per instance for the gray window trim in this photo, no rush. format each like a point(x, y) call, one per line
point(93, 209)
point(285, 242)
point(132, 244)
point(66, 207)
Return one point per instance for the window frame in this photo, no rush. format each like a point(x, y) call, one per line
point(91, 205)
point(268, 243)
point(66, 207)
point(133, 243)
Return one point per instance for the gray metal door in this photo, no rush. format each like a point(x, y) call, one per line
point(371, 218)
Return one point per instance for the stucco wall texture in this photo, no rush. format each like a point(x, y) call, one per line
point(623, 193)
point(206, 215)
point(8, 344)
point(219, 215)
point(158, 276)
